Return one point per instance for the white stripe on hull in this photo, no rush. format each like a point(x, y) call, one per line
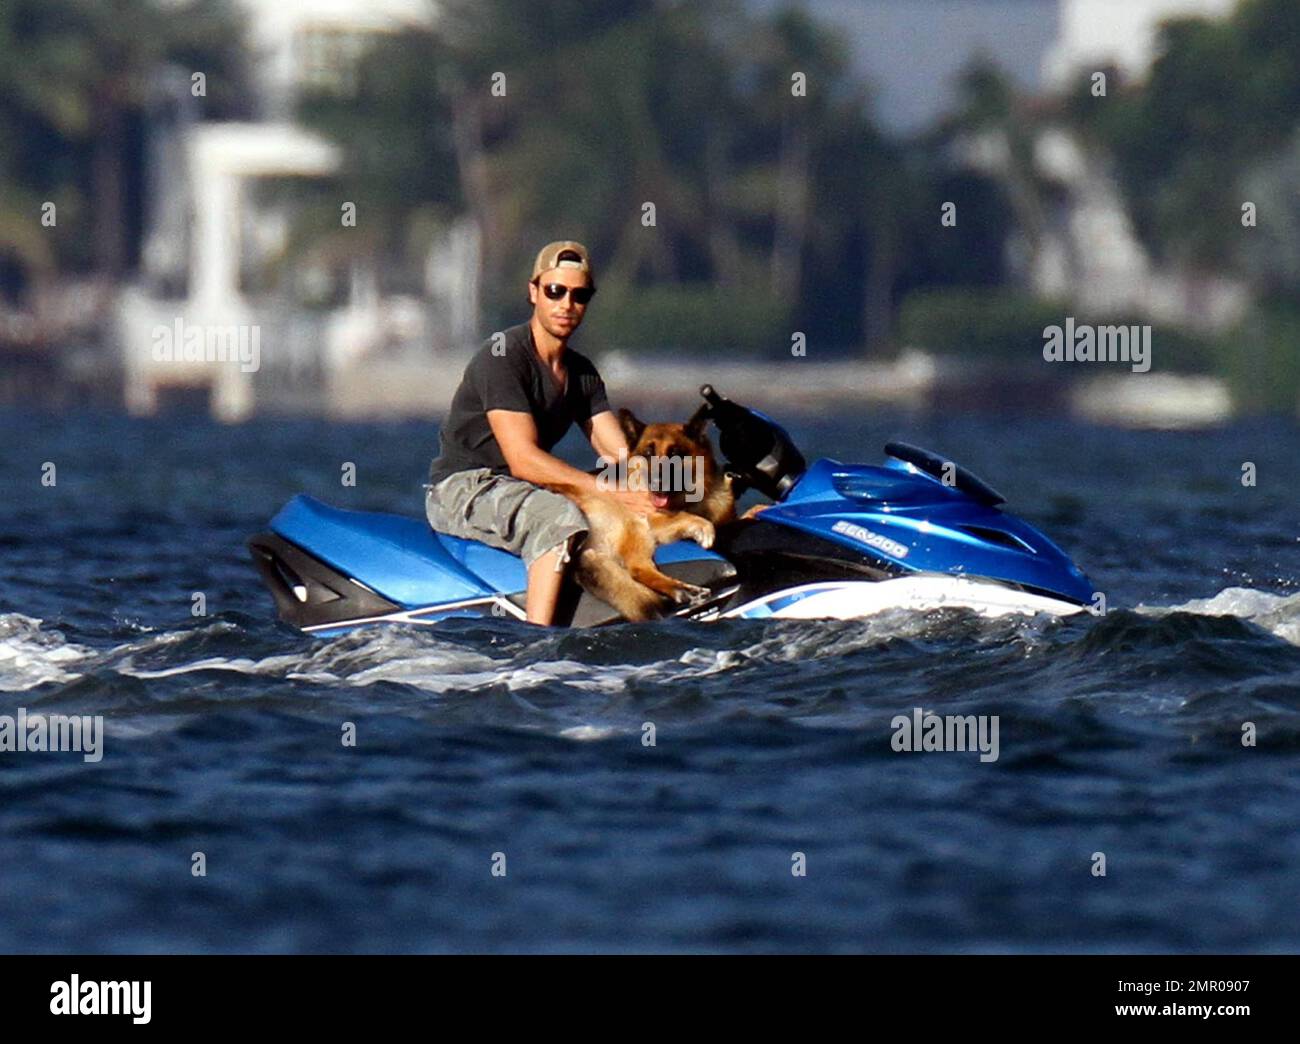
point(849, 599)
point(429, 614)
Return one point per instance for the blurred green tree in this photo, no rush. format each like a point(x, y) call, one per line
point(566, 119)
point(75, 79)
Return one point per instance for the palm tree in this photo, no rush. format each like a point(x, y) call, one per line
point(598, 100)
point(993, 120)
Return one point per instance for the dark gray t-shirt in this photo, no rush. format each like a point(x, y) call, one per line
point(515, 380)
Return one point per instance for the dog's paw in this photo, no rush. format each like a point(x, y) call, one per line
point(685, 594)
point(702, 532)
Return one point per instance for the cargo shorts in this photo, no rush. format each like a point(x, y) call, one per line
point(505, 512)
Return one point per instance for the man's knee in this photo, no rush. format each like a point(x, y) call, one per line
point(554, 559)
point(553, 524)
point(557, 555)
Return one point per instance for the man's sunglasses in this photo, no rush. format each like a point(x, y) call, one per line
point(581, 294)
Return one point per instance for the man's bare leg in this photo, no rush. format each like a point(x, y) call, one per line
point(545, 576)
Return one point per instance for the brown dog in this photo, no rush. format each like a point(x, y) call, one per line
point(616, 562)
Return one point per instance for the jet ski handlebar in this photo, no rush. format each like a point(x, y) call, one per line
point(755, 447)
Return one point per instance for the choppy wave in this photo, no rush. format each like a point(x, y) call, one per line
point(426, 664)
point(30, 656)
point(1279, 614)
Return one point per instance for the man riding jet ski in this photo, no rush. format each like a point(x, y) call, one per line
point(839, 541)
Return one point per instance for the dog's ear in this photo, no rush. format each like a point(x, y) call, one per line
point(632, 428)
point(694, 427)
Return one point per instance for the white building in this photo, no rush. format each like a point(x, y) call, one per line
point(316, 43)
point(1093, 256)
point(208, 227)
point(1093, 34)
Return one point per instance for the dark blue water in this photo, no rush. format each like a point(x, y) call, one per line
point(1119, 735)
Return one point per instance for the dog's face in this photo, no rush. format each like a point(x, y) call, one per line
point(675, 460)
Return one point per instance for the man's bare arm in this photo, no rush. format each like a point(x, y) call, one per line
point(516, 434)
point(606, 435)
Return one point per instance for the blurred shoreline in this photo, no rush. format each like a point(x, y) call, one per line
point(917, 382)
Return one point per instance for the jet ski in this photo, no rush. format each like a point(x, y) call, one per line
point(839, 541)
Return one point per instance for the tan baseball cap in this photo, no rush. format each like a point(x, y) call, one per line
point(563, 253)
